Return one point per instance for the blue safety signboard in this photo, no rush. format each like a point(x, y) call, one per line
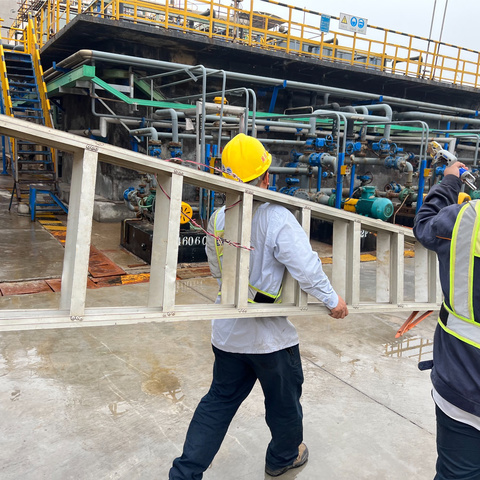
point(325, 23)
point(353, 23)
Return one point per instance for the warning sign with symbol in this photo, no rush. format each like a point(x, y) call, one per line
point(353, 23)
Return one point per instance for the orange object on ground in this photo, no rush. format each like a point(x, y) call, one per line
point(412, 321)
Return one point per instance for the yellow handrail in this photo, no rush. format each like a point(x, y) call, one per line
point(396, 52)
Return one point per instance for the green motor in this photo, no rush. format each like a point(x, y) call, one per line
point(371, 206)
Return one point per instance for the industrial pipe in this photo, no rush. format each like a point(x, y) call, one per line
point(174, 116)
point(83, 56)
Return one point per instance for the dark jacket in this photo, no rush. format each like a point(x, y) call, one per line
point(456, 364)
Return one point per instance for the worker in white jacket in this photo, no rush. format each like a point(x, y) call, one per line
point(263, 348)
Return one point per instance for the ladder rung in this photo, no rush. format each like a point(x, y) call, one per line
point(21, 75)
point(28, 108)
point(34, 152)
point(24, 117)
point(23, 99)
point(36, 162)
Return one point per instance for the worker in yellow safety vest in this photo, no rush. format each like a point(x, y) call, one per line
point(263, 348)
point(452, 231)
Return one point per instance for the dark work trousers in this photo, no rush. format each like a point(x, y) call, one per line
point(458, 447)
point(234, 375)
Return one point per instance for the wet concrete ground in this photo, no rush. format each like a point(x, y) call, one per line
point(115, 402)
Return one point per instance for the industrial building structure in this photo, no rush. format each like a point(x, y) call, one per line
point(119, 110)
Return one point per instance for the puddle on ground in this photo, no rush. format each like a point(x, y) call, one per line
point(162, 381)
point(413, 347)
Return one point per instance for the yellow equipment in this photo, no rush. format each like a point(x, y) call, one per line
point(244, 158)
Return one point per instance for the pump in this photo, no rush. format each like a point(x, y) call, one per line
point(371, 206)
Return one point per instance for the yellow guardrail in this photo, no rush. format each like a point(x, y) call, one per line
point(295, 32)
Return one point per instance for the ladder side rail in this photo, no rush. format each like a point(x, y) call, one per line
point(6, 97)
point(163, 270)
point(79, 233)
point(44, 101)
point(34, 51)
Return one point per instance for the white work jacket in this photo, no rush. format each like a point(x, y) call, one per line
point(278, 242)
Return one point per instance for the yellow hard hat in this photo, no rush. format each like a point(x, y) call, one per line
point(245, 158)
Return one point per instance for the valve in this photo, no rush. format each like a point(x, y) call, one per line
point(175, 149)
point(352, 147)
point(383, 146)
point(393, 187)
point(407, 195)
point(292, 181)
point(392, 162)
point(365, 179)
point(155, 148)
point(294, 155)
point(330, 142)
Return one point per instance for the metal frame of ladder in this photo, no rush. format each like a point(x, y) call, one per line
point(160, 304)
point(25, 96)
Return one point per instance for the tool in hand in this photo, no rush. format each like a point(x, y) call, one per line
point(444, 157)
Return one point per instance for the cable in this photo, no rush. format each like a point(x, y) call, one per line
point(399, 208)
point(196, 225)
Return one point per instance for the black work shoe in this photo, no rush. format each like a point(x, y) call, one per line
point(298, 462)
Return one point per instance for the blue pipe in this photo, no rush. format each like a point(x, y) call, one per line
point(447, 135)
point(421, 184)
point(352, 180)
point(319, 177)
point(339, 188)
point(134, 144)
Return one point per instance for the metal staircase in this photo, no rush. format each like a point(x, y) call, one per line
point(33, 164)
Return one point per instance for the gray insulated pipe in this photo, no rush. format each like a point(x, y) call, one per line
point(436, 116)
point(84, 56)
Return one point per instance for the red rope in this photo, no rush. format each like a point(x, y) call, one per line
point(194, 223)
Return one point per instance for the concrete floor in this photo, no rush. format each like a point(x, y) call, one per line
point(115, 402)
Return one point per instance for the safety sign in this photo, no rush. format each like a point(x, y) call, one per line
point(325, 23)
point(353, 23)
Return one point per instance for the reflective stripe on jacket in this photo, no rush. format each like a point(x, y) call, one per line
point(465, 247)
